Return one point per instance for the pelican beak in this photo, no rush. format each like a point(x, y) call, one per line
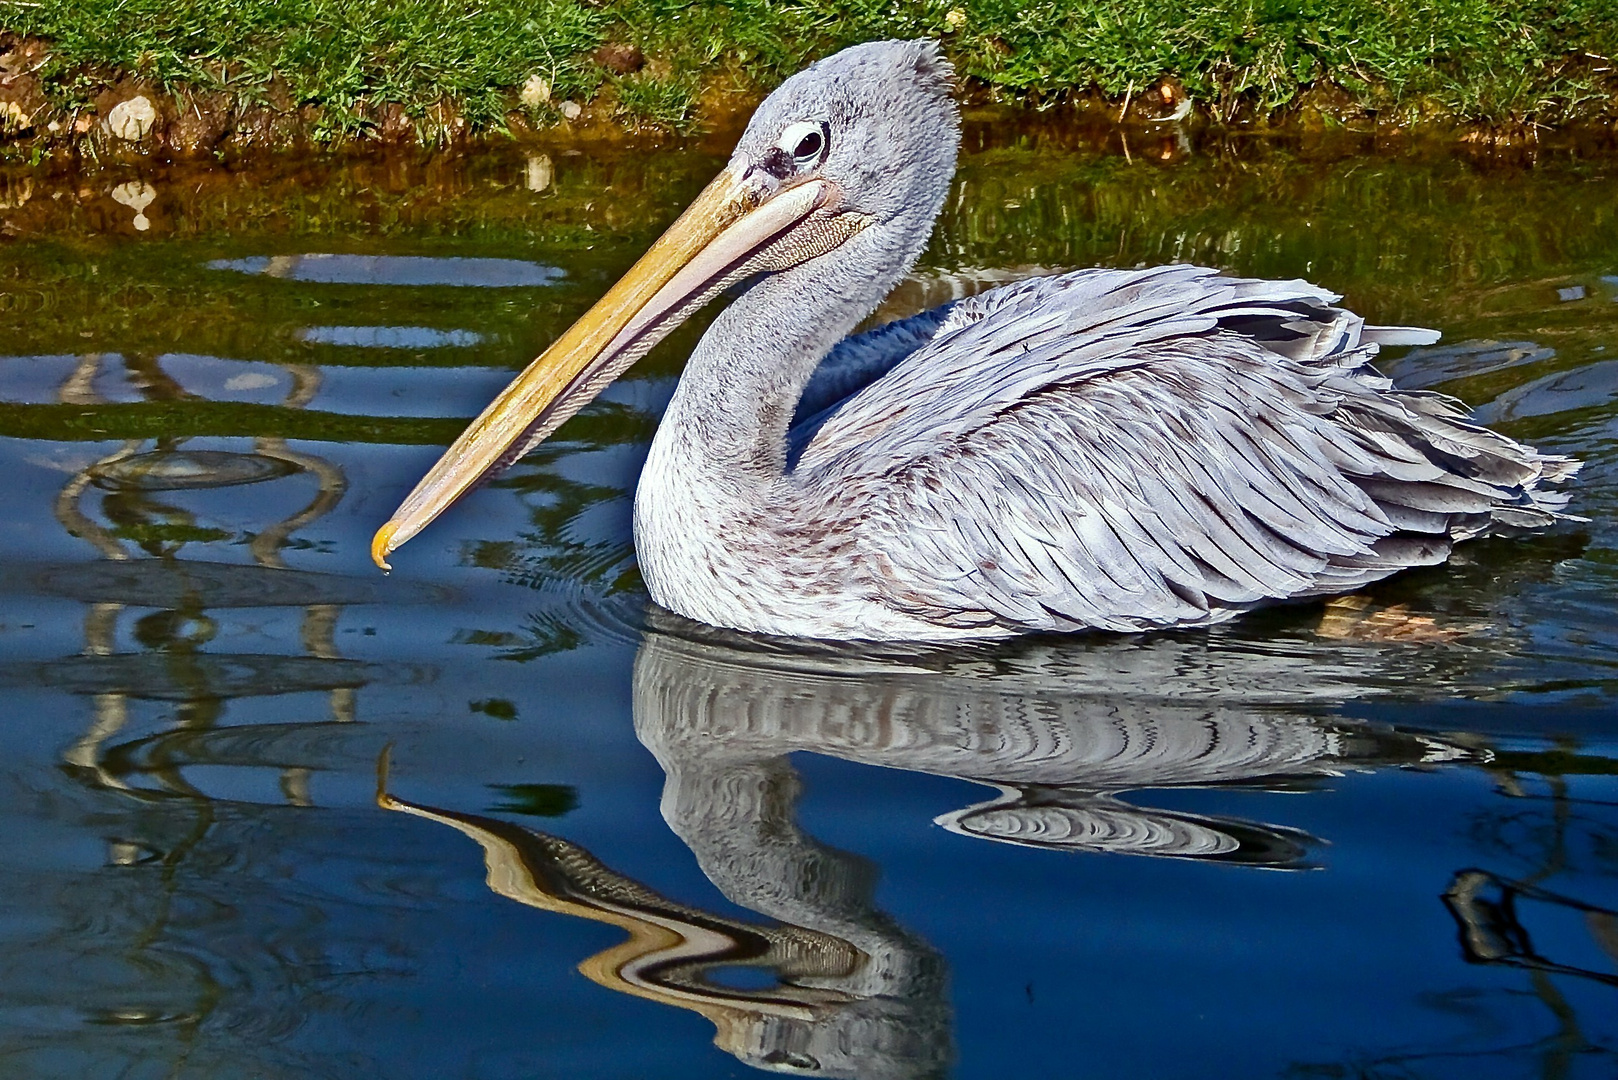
point(741, 224)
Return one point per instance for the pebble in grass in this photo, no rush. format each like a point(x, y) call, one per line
point(132, 120)
point(535, 92)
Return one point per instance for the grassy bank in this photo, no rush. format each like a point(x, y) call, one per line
point(326, 70)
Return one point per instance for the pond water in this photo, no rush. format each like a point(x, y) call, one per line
point(267, 813)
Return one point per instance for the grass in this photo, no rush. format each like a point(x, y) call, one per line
point(340, 61)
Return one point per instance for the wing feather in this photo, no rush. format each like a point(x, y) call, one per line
point(1137, 449)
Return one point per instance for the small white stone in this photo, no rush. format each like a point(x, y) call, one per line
point(570, 110)
point(132, 120)
point(535, 92)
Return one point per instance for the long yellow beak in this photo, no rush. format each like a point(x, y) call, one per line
point(715, 242)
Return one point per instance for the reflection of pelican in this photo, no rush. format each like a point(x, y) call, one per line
point(850, 994)
point(1060, 731)
point(1115, 449)
point(1058, 746)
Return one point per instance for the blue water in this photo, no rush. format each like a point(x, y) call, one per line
point(268, 813)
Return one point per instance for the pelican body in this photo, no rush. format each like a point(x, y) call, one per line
point(1116, 449)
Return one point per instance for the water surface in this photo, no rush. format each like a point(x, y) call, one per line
point(271, 814)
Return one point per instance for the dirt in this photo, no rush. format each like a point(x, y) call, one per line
point(131, 120)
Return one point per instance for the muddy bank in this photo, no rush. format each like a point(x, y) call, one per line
point(112, 115)
point(132, 122)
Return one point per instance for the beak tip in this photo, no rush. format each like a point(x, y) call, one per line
point(381, 544)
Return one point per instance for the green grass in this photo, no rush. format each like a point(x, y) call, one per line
point(1478, 60)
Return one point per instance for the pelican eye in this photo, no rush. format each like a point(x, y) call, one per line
point(809, 149)
point(806, 142)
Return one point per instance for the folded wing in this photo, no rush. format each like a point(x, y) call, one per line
point(1136, 449)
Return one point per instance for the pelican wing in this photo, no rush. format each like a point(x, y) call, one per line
point(1135, 449)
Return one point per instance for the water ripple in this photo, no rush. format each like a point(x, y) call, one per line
point(396, 270)
point(388, 337)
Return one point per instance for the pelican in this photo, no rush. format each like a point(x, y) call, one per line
point(1122, 450)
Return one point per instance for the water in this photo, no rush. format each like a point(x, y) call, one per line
point(270, 814)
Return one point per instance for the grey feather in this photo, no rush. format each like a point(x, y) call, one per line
point(1116, 449)
point(1171, 456)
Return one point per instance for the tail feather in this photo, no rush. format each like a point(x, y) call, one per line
point(1436, 475)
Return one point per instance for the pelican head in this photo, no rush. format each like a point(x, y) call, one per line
point(851, 156)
